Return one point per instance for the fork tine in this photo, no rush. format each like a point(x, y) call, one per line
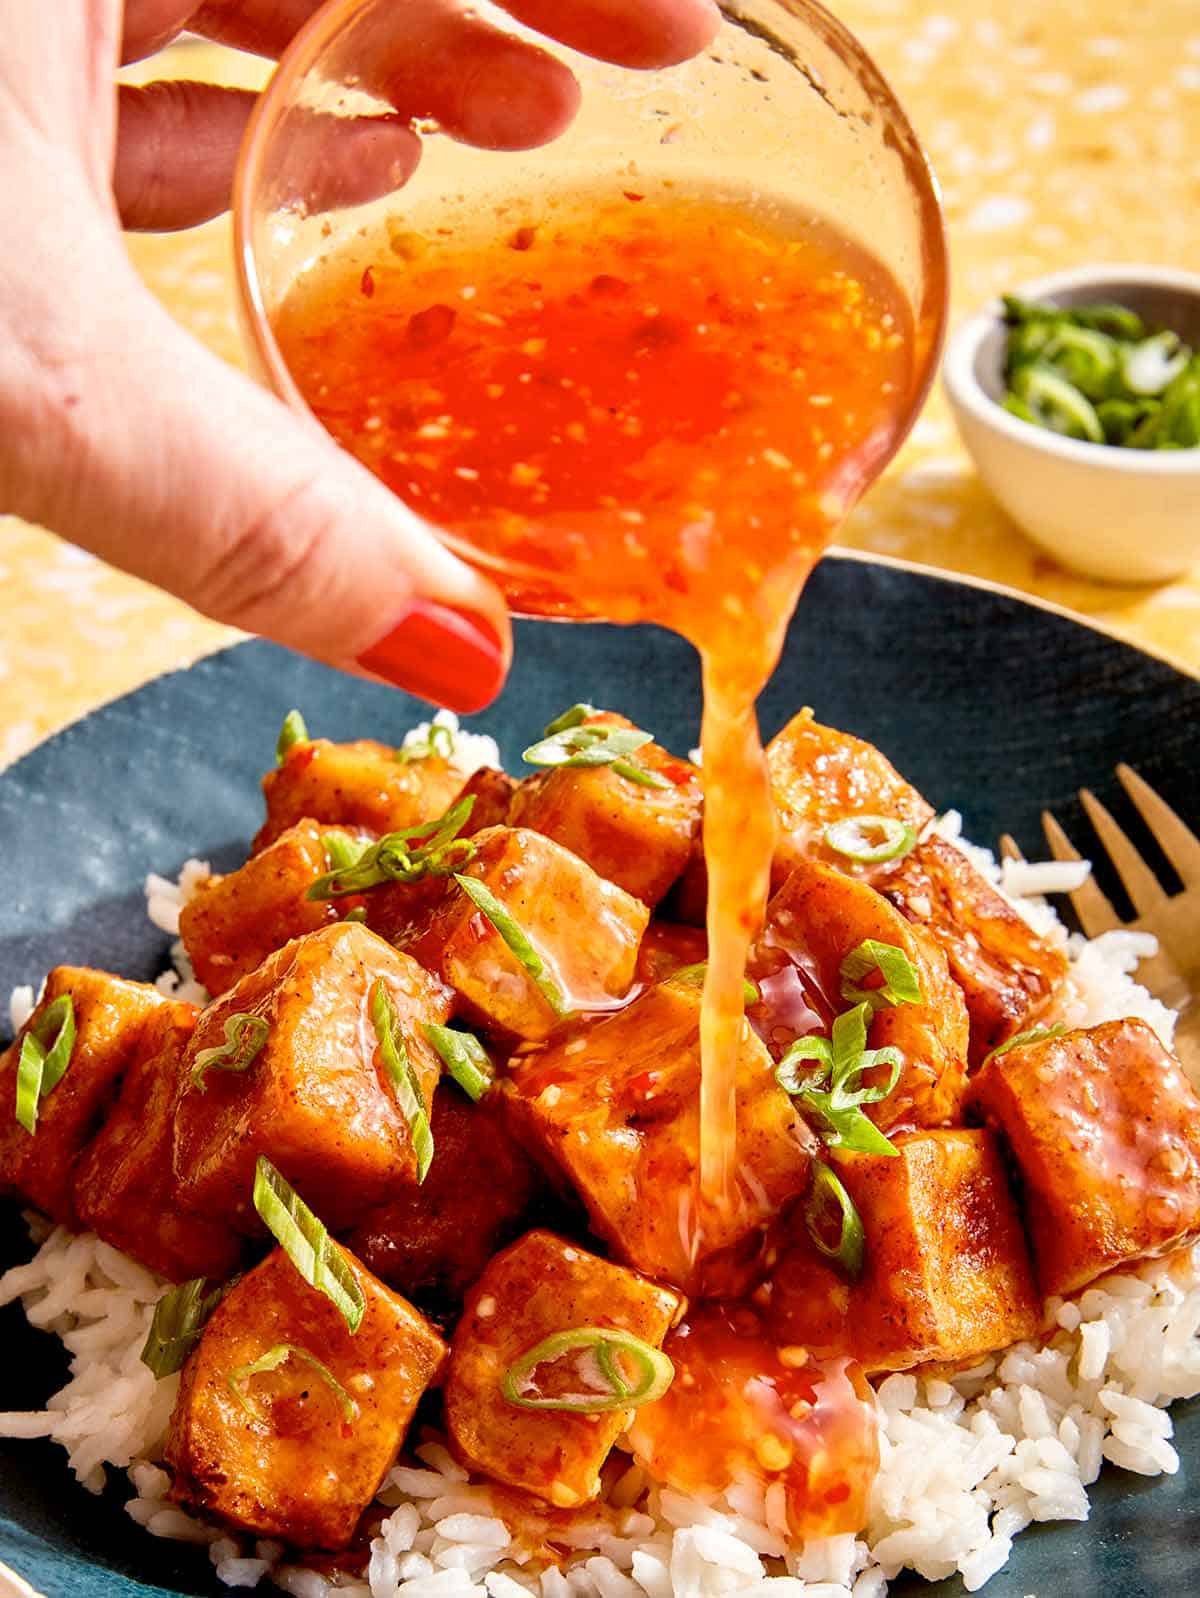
point(1139, 881)
point(1009, 848)
point(1179, 843)
point(1096, 914)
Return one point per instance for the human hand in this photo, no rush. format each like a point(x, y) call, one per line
point(126, 436)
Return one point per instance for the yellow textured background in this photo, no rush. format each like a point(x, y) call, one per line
point(1063, 132)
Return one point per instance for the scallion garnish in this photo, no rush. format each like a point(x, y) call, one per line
point(292, 732)
point(833, 1092)
point(513, 934)
point(1038, 394)
point(245, 1036)
point(692, 976)
point(430, 849)
point(465, 1058)
point(45, 1055)
point(568, 742)
point(306, 1242)
point(342, 851)
point(179, 1318)
point(870, 840)
point(438, 741)
point(603, 1347)
point(271, 1361)
point(1036, 1034)
point(398, 1068)
point(828, 1202)
point(900, 984)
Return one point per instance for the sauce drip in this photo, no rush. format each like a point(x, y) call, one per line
point(641, 406)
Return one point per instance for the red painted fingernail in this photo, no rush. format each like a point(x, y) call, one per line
point(452, 657)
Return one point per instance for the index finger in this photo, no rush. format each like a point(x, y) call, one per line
point(631, 33)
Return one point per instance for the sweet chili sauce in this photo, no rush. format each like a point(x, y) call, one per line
point(635, 406)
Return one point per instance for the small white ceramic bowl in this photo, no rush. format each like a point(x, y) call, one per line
point(1122, 515)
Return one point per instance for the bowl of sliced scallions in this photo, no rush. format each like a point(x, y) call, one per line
point(1078, 397)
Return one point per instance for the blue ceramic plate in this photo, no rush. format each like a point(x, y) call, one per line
point(986, 702)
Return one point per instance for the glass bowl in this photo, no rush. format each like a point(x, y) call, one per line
point(784, 112)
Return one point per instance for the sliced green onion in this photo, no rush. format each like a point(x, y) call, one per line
point(1121, 418)
point(692, 976)
point(292, 732)
point(900, 985)
point(1084, 357)
point(306, 1242)
point(828, 1201)
point(1155, 363)
point(607, 1344)
point(438, 742)
point(245, 1036)
point(430, 849)
point(357, 914)
point(514, 935)
point(406, 1085)
point(568, 742)
point(1036, 1034)
point(465, 1058)
point(45, 1055)
point(869, 840)
point(1057, 404)
point(343, 851)
point(833, 1092)
point(179, 1319)
point(271, 1361)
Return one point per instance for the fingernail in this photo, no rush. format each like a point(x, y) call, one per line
point(450, 656)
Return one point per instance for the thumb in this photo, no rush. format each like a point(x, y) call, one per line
point(135, 442)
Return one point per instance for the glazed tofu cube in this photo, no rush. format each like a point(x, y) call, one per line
point(819, 776)
point(362, 784)
point(817, 919)
point(585, 930)
point(1105, 1133)
point(946, 1272)
point(432, 1242)
point(540, 1286)
point(636, 836)
point(316, 1098)
point(617, 1109)
point(299, 1451)
point(492, 791)
point(110, 1017)
point(234, 922)
point(1008, 973)
point(124, 1189)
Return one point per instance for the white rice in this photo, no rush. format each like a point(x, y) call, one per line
point(967, 1461)
point(468, 750)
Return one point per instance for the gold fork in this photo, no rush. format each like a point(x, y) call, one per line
point(1173, 974)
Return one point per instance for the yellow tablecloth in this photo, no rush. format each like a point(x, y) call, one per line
point(1063, 132)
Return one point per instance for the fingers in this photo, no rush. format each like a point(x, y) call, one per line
point(147, 25)
point(178, 142)
point(633, 33)
point(177, 145)
point(136, 443)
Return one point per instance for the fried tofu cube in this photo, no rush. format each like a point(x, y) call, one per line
point(110, 1017)
point(316, 1098)
point(946, 1272)
point(363, 784)
point(820, 775)
point(433, 1241)
point(492, 790)
point(298, 1451)
point(617, 1109)
point(1105, 1133)
point(636, 836)
point(818, 918)
point(540, 1286)
point(586, 931)
point(234, 922)
point(124, 1188)
point(1008, 972)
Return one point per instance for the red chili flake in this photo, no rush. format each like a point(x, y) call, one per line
point(434, 326)
point(523, 238)
point(367, 284)
point(608, 287)
point(838, 1494)
point(630, 195)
